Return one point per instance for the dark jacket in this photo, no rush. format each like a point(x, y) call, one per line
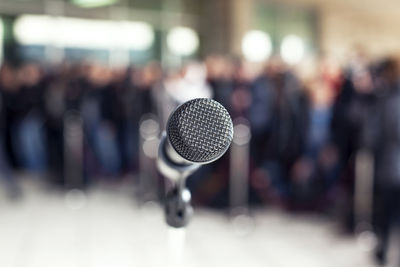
point(387, 145)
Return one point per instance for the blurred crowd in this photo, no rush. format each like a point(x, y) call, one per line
point(307, 124)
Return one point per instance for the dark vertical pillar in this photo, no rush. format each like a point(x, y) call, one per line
point(214, 26)
point(10, 50)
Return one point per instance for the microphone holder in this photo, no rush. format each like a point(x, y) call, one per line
point(177, 207)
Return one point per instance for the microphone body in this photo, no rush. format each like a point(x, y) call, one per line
point(171, 164)
point(198, 132)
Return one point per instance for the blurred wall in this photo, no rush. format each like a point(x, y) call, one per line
point(340, 25)
point(332, 26)
point(377, 30)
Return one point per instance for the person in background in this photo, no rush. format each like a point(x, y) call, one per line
point(98, 110)
point(29, 139)
point(188, 84)
point(10, 106)
point(8, 91)
point(314, 172)
point(55, 110)
point(387, 157)
point(144, 97)
point(240, 99)
point(277, 117)
point(219, 78)
point(351, 132)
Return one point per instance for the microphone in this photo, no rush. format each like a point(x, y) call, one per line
point(198, 132)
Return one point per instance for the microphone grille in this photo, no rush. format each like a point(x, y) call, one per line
point(200, 130)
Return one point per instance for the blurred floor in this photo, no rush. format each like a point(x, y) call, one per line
point(106, 228)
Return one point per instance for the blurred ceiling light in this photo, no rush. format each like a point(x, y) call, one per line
point(93, 3)
point(182, 41)
point(256, 46)
point(33, 30)
point(136, 35)
point(83, 33)
point(292, 49)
